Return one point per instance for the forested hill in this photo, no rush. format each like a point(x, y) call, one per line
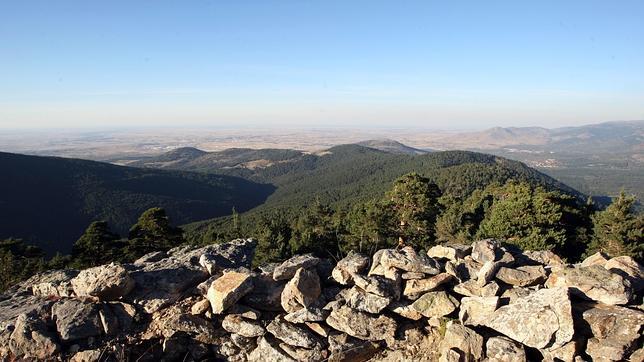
point(49, 201)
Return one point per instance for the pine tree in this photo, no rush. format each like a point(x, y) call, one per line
point(368, 226)
point(315, 230)
point(98, 245)
point(414, 202)
point(152, 232)
point(273, 234)
point(618, 229)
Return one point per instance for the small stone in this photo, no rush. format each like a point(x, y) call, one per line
point(200, 307)
point(471, 288)
point(319, 328)
point(404, 310)
point(268, 350)
point(435, 304)
point(305, 354)
point(228, 289)
point(413, 275)
point(307, 315)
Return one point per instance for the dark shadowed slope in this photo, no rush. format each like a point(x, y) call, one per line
point(49, 201)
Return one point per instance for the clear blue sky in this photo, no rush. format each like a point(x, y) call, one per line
point(438, 64)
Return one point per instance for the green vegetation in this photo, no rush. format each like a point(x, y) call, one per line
point(618, 229)
point(49, 201)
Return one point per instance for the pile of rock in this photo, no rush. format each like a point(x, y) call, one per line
point(452, 303)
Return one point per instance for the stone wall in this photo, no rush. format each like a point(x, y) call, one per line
point(452, 303)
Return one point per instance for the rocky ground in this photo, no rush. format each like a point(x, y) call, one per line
point(453, 303)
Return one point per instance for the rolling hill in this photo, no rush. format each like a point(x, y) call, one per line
point(49, 201)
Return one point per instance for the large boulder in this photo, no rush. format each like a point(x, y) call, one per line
point(352, 264)
point(228, 289)
point(76, 319)
point(287, 269)
point(301, 291)
point(176, 320)
point(613, 331)
point(116, 317)
point(435, 304)
point(361, 325)
point(486, 250)
point(598, 258)
point(105, 282)
point(592, 282)
point(31, 340)
point(542, 319)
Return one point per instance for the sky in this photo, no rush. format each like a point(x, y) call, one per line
point(429, 64)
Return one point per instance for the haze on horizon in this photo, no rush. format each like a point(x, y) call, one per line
point(430, 64)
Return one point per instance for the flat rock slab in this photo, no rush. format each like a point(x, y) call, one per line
point(287, 269)
point(593, 282)
point(543, 319)
point(228, 289)
point(76, 319)
point(105, 282)
point(522, 276)
point(435, 304)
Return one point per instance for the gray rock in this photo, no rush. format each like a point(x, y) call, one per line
point(628, 268)
point(522, 276)
point(307, 315)
point(76, 319)
point(407, 259)
point(404, 309)
point(200, 307)
point(475, 310)
point(305, 354)
point(486, 250)
point(501, 349)
point(358, 299)
point(542, 257)
point(598, 258)
point(567, 352)
point(105, 282)
point(245, 344)
point(228, 289)
point(451, 252)
point(90, 355)
point(301, 291)
point(54, 284)
point(31, 340)
point(235, 254)
point(593, 282)
point(612, 331)
point(345, 348)
point(266, 294)
point(354, 263)
point(292, 334)
point(319, 328)
point(540, 320)
point(361, 325)
point(268, 350)
point(435, 304)
point(235, 324)
point(175, 320)
point(416, 287)
point(471, 288)
point(413, 275)
point(379, 285)
point(116, 317)
point(245, 311)
point(287, 269)
point(465, 341)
